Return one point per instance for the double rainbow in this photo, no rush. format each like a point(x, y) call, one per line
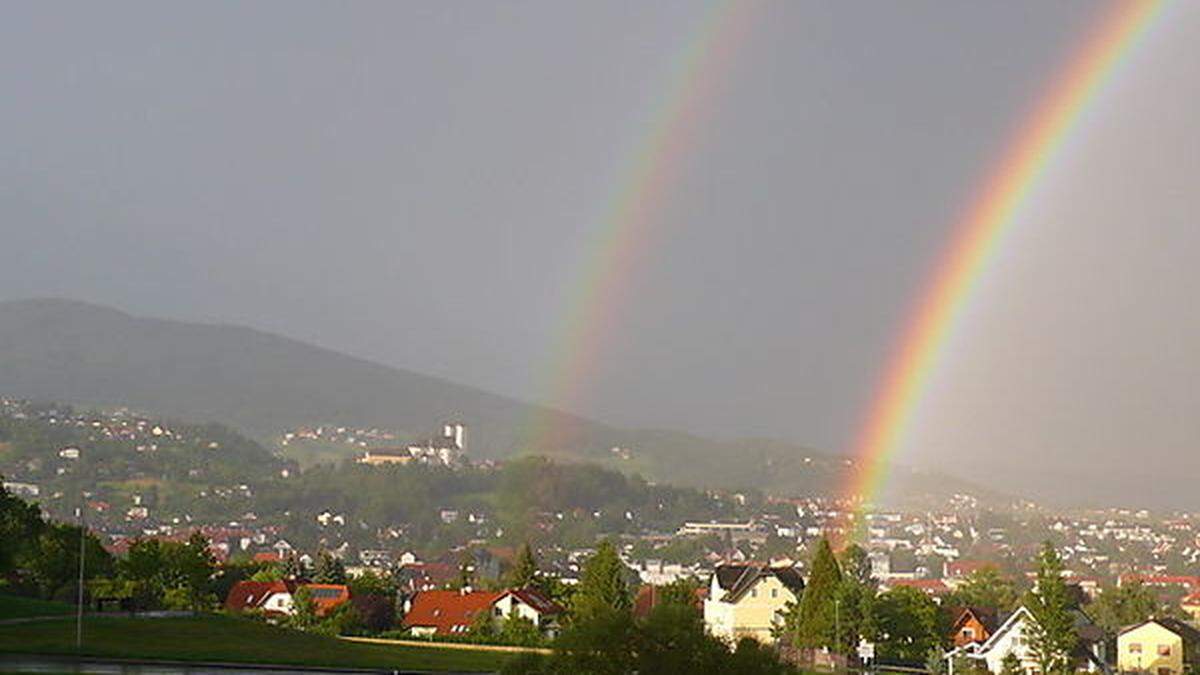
point(634, 221)
point(981, 231)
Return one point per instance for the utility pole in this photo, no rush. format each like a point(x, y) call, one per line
point(837, 623)
point(79, 599)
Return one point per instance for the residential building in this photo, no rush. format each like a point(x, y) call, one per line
point(385, 456)
point(269, 597)
point(452, 612)
point(695, 528)
point(279, 597)
point(649, 596)
point(1190, 605)
point(749, 600)
point(972, 625)
point(1157, 647)
point(327, 597)
point(1014, 636)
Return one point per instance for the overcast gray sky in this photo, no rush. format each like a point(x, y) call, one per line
point(413, 183)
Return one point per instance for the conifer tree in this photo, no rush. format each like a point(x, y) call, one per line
point(602, 586)
point(525, 571)
point(1052, 635)
point(814, 620)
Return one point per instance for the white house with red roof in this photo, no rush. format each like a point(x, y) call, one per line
point(279, 597)
point(269, 597)
point(443, 612)
point(530, 604)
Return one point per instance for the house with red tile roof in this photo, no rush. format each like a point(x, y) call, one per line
point(531, 604)
point(446, 612)
point(932, 587)
point(442, 612)
point(649, 596)
point(327, 597)
point(279, 597)
point(269, 597)
point(1190, 604)
point(1186, 582)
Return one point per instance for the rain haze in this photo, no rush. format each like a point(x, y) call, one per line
point(417, 184)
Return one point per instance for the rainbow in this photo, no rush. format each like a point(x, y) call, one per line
point(980, 232)
point(634, 219)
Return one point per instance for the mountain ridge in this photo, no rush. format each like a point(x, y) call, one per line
point(263, 384)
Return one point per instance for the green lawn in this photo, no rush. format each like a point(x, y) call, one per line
point(16, 607)
point(221, 638)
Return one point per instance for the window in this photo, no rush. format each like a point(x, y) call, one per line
point(774, 592)
point(497, 611)
point(1164, 650)
point(1135, 648)
point(968, 633)
point(754, 592)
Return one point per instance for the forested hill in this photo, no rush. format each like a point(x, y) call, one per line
point(59, 350)
point(263, 384)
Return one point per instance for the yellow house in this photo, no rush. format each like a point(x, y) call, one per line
point(1157, 647)
point(749, 600)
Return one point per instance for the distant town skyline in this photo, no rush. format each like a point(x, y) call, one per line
point(418, 185)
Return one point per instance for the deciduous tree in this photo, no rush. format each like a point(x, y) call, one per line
point(1122, 606)
point(910, 625)
point(987, 588)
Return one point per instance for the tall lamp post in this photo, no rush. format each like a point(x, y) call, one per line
point(837, 624)
point(79, 598)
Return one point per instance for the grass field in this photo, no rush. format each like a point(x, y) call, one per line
point(15, 607)
point(228, 639)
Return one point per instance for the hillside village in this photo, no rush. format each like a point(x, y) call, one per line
point(746, 557)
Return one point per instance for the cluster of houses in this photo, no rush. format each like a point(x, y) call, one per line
point(379, 445)
point(750, 600)
point(1158, 646)
point(360, 437)
point(427, 613)
point(747, 600)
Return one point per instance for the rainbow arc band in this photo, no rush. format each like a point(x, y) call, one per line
point(635, 218)
point(980, 232)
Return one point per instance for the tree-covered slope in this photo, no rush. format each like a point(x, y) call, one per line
point(257, 382)
point(263, 384)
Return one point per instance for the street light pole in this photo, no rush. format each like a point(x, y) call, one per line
point(837, 623)
point(79, 599)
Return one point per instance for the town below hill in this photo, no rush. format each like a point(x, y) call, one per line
point(268, 387)
point(416, 538)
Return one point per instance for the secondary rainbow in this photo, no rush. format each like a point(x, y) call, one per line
point(634, 216)
point(981, 230)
